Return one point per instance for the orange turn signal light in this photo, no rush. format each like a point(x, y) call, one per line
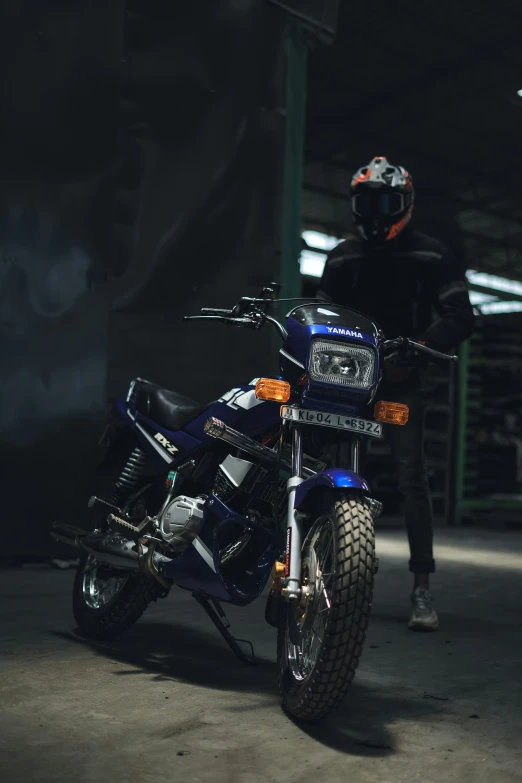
point(272, 389)
point(391, 412)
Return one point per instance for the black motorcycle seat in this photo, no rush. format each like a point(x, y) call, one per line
point(167, 408)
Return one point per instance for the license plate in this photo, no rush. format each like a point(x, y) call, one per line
point(305, 416)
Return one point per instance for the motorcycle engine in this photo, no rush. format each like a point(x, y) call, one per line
point(181, 521)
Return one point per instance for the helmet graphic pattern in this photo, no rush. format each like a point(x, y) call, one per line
point(379, 170)
point(381, 218)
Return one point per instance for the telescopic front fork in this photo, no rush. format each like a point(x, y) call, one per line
point(294, 533)
point(294, 530)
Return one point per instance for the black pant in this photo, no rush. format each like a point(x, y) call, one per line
point(407, 443)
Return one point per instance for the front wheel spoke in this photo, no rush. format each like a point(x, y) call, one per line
point(317, 636)
point(329, 604)
point(319, 623)
point(327, 598)
point(323, 560)
point(305, 654)
point(327, 578)
point(318, 618)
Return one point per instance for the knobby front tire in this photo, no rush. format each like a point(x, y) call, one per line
point(313, 682)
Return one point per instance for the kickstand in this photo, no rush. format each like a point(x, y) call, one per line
point(215, 611)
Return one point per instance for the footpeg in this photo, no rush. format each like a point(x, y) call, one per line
point(138, 531)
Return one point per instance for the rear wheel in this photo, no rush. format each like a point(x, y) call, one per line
point(108, 601)
point(320, 640)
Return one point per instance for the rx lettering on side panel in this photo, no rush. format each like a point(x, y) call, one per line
point(165, 443)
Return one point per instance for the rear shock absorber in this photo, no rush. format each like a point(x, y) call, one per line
point(132, 470)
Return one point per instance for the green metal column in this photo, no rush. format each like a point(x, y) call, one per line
point(296, 50)
point(460, 446)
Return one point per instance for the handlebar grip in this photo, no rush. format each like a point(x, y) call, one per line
point(436, 355)
point(444, 357)
point(217, 311)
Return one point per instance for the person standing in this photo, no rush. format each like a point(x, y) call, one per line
point(400, 278)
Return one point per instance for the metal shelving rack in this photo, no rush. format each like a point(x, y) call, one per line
point(484, 434)
point(438, 437)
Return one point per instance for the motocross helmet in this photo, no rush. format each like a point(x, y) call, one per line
point(382, 200)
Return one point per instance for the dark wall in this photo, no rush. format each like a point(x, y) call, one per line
point(59, 90)
point(141, 155)
point(207, 95)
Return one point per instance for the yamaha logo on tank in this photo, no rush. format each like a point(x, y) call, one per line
point(345, 332)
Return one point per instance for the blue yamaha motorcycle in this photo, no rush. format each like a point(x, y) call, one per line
point(219, 499)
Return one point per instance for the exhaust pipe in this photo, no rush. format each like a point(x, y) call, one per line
point(100, 547)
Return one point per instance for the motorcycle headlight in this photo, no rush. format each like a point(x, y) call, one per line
point(346, 365)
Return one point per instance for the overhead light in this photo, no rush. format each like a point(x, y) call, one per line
point(312, 263)
point(519, 93)
point(494, 282)
point(497, 308)
point(319, 241)
point(477, 298)
point(312, 260)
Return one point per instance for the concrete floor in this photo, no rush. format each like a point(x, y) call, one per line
point(170, 703)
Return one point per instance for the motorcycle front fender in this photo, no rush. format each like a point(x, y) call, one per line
point(331, 478)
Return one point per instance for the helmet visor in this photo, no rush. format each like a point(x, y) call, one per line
point(370, 202)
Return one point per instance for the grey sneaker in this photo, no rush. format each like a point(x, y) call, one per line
point(423, 615)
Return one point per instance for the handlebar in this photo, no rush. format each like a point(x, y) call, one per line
point(252, 312)
point(223, 319)
point(436, 356)
point(217, 311)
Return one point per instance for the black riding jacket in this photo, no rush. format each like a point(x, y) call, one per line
point(413, 288)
